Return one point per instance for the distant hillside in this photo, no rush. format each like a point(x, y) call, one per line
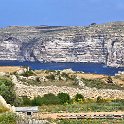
point(95, 43)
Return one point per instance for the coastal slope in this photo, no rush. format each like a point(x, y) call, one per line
point(94, 43)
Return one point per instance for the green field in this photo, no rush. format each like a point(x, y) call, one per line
point(90, 121)
point(85, 107)
point(7, 118)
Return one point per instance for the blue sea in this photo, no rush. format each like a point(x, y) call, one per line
point(97, 68)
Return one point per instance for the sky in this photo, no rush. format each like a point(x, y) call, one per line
point(60, 12)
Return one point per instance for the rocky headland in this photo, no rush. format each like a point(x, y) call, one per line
point(94, 43)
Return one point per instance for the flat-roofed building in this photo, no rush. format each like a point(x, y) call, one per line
point(27, 110)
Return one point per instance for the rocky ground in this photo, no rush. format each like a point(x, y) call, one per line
point(67, 81)
point(42, 82)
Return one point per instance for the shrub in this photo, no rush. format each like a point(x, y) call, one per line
point(50, 99)
point(18, 101)
point(47, 99)
point(99, 99)
point(51, 77)
point(99, 84)
point(28, 73)
point(8, 118)
point(79, 97)
point(36, 101)
point(64, 98)
point(7, 91)
point(26, 101)
point(109, 80)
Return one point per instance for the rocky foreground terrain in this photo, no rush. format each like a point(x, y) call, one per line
point(68, 81)
point(95, 43)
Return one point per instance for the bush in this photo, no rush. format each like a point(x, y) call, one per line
point(18, 102)
point(8, 118)
point(64, 98)
point(26, 101)
point(7, 91)
point(99, 84)
point(79, 97)
point(36, 101)
point(28, 73)
point(50, 99)
point(118, 101)
point(47, 99)
point(99, 99)
point(109, 80)
point(51, 77)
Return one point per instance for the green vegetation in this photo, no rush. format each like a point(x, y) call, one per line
point(79, 97)
point(90, 121)
point(84, 107)
point(64, 98)
point(8, 118)
point(99, 99)
point(8, 93)
point(97, 83)
point(63, 102)
point(51, 77)
point(28, 73)
point(47, 99)
point(26, 101)
point(6, 90)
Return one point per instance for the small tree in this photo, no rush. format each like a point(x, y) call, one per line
point(64, 98)
point(79, 97)
point(50, 99)
point(7, 91)
point(92, 24)
point(99, 99)
point(26, 100)
point(36, 101)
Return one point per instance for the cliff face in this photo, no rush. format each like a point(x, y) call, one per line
point(96, 43)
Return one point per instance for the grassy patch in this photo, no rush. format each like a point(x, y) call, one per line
point(97, 83)
point(84, 107)
point(8, 118)
point(90, 121)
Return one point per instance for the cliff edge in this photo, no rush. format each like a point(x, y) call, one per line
point(95, 43)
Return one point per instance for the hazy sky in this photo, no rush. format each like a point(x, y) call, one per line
point(60, 12)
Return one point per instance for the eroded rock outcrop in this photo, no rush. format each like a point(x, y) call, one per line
point(95, 43)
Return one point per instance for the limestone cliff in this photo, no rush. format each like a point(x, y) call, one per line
point(95, 43)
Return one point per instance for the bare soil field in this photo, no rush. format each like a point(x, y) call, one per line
point(9, 69)
point(91, 76)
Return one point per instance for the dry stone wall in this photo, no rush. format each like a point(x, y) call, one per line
point(33, 91)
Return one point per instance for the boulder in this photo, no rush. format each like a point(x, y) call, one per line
point(2, 73)
point(67, 71)
point(22, 71)
point(14, 79)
